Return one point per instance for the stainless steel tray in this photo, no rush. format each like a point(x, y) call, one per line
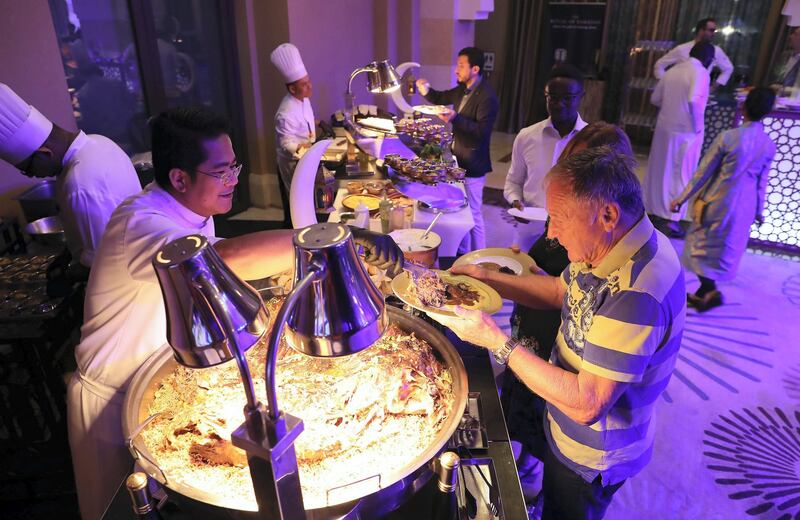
point(396, 484)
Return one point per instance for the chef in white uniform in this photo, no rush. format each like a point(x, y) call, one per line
point(196, 173)
point(295, 127)
point(93, 174)
point(703, 32)
point(678, 137)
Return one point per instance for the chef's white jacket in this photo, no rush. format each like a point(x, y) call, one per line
point(294, 124)
point(680, 54)
point(124, 323)
point(96, 177)
point(536, 149)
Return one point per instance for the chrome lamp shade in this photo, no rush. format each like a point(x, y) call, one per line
point(213, 316)
point(206, 304)
point(342, 312)
point(381, 77)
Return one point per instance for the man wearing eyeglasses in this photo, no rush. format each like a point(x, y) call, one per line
point(537, 147)
point(704, 31)
point(93, 174)
point(196, 173)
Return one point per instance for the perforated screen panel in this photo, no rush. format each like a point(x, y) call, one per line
point(782, 205)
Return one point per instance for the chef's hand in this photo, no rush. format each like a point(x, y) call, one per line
point(381, 251)
point(518, 205)
point(447, 116)
point(423, 86)
point(675, 206)
point(474, 327)
point(471, 270)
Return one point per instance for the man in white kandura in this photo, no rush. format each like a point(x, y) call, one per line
point(93, 174)
point(295, 128)
point(703, 32)
point(537, 148)
point(678, 138)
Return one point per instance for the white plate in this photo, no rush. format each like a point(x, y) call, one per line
point(501, 261)
point(488, 299)
point(431, 110)
point(520, 263)
point(529, 213)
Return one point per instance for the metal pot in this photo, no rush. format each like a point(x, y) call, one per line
point(38, 201)
point(396, 484)
point(425, 252)
point(48, 230)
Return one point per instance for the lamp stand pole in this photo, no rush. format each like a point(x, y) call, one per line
point(349, 98)
point(268, 435)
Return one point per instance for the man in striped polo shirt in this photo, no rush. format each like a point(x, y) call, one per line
point(623, 305)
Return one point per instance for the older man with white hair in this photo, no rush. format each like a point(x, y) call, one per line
point(623, 307)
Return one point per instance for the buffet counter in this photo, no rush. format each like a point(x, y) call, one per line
point(493, 455)
point(781, 227)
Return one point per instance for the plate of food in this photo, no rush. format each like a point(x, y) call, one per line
point(501, 259)
point(351, 202)
point(438, 292)
point(431, 110)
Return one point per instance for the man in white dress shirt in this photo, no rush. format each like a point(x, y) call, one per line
point(537, 147)
point(196, 173)
point(678, 137)
point(703, 32)
point(295, 127)
point(93, 174)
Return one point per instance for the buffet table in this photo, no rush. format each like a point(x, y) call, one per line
point(452, 227)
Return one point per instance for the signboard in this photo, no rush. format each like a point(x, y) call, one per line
point(576, 33)
point(488, 61)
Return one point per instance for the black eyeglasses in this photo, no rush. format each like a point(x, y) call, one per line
point(227, 176)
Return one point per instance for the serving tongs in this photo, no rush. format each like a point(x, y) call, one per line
point(415, 269)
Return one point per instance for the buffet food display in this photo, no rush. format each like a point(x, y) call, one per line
point(425, 131)
point(367, 416)
point(420, 170)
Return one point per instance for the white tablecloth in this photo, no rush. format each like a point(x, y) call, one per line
point(451, 226)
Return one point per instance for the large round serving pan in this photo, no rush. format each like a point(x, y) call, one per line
point(396, 484)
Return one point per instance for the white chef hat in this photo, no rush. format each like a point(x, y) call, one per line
point(23, 129)
point(287, 59)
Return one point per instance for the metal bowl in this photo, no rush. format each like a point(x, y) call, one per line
point(39, 200)
point(48, 230)
point(396, 484)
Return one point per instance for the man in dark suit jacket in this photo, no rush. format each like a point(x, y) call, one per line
point(472, 116)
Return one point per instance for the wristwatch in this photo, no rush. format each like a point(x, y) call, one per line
point(501, 354)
